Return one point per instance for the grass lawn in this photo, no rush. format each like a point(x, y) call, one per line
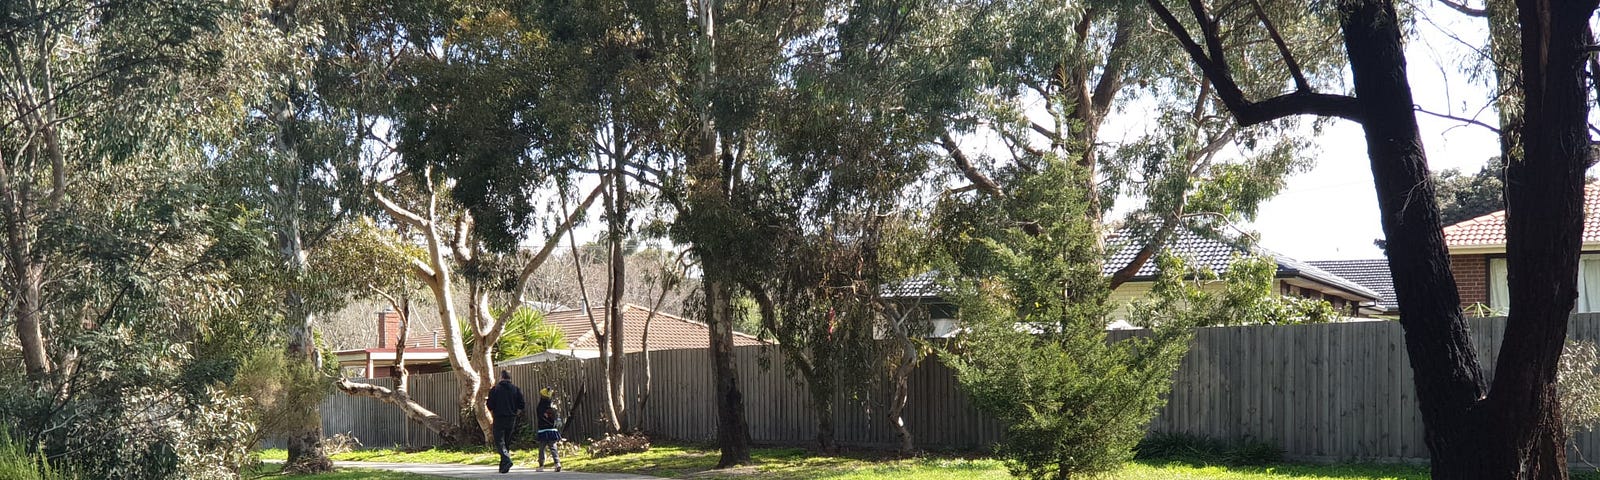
point(676, 461)
point(272, 471)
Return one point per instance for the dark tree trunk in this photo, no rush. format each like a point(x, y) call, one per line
point(733, 433)
point(1544, 228)
point(1511, 429)
point(617, 204)
point(822, 402)
point(1448, 378)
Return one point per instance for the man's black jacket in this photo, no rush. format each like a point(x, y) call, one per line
point(505, 400)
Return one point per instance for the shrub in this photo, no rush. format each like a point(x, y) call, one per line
point(1578, 384)
point(16, 463)
point(1035, 354)
point(619, 444)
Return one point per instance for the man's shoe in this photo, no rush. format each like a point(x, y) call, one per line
point(540, 469)
point(558, 467)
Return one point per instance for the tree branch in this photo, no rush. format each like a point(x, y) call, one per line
point(965, 165)
point(1300, 83)
point(400, 213)
point(1466, 10)
point(1111, 76)
point(1246, 112)
point(1447, 116)
point(555, 240)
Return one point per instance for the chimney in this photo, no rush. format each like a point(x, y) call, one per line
point(388, 328)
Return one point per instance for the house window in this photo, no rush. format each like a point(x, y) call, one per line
point(1588, 285)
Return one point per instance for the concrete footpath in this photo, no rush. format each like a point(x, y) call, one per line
point(486, 471)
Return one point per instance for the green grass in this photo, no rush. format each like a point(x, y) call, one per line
point(678, 461)
point(271, 471)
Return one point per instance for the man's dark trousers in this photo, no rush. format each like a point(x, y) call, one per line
point(504, 428)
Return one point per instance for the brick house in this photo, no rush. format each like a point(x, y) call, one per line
point(1478, 260)
point(423, 355)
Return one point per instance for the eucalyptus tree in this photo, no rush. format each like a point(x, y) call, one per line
point(118, 273)
point(476, 137)
point(300, 159)
point(63, 61)
point(1510, 428)
point(1043, 79)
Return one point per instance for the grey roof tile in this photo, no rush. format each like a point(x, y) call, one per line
point(1370, 273)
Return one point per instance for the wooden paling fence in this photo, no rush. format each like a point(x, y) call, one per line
point(1331, 391)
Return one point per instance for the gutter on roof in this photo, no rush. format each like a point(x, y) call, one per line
point(1292, 272)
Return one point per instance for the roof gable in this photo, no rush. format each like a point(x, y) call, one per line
point(1216, 254)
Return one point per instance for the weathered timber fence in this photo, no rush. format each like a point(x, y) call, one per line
point(1331, 391)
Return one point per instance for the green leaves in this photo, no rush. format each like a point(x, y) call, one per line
point(1036, 354)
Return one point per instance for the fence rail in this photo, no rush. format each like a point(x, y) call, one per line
point(1330, 391)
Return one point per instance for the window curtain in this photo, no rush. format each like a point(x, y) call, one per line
point(1589, 284)
point(1499, 294)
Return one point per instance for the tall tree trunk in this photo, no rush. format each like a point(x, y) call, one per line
point(618, 212)
point(1544, 229)
point(711, 189)
point(306, 454)
point(733, 433)
point(26, 285)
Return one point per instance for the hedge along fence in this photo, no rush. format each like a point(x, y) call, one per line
point(1335, 391)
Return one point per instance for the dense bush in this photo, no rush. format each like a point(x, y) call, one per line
point(1036, 354)
point(1578, 381)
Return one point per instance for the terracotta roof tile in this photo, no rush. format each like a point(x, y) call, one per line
point(1490, 229)
point(667, 332)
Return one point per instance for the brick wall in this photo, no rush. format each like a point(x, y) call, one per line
point(1472, 277)
point(389, 329)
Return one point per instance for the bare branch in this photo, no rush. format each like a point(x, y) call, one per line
point(1446, 116)
point(1116, 67)
point(1246, 112)
point(400, 213)
point(551, 243)
point(965, 165)
point(1466, 10)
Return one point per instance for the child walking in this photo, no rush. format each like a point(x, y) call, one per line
point(548, 435)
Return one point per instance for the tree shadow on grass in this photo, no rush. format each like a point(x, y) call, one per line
point(1303, 470)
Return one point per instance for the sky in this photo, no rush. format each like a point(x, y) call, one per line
point(1331, 212)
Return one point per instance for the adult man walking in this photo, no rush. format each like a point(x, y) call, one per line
point(505, 402)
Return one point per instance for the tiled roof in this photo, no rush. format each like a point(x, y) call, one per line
point(667, 332)
point(1201, 252)
point(1489, 230)
point(1216, 254)
point(1373, 274)
point(921, 286)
